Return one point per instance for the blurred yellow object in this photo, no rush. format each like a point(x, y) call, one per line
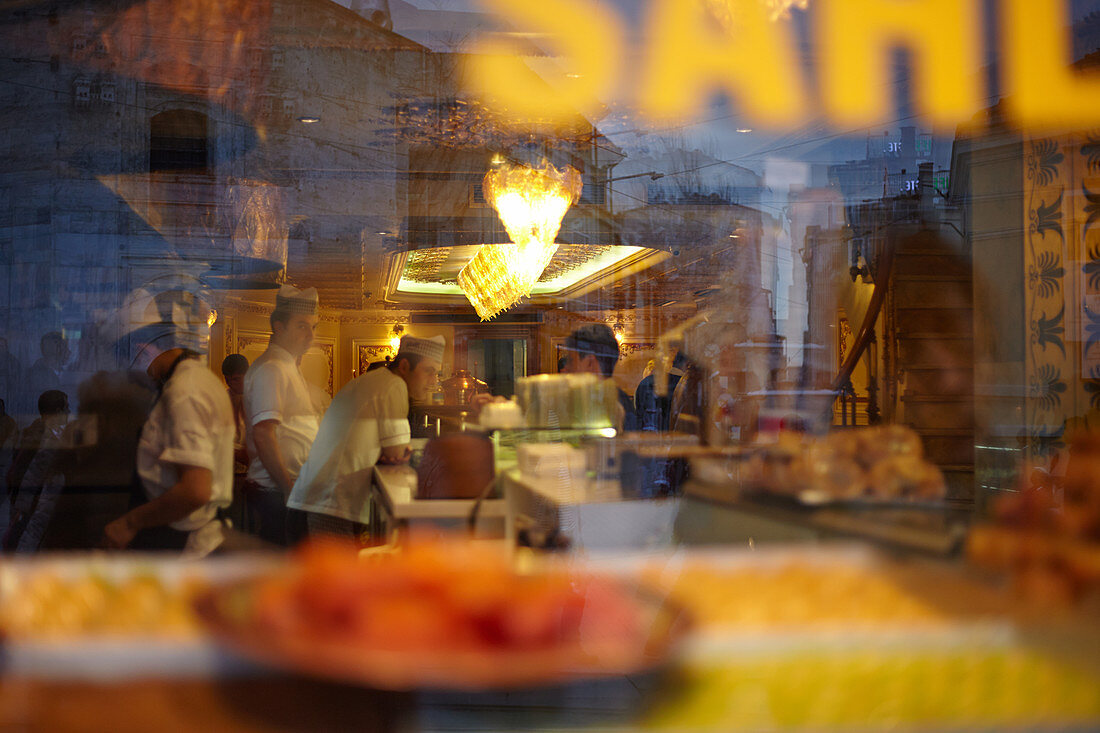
point(791, 595)
point(46, 606)
point(881, 689)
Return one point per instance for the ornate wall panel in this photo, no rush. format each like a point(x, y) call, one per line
point(1047, 173)
point(1086, 279)
point(318, 364)
point(365, 351)
point(1062, 261)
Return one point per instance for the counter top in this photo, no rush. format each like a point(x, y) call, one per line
point(716, 513)
point(396, 491)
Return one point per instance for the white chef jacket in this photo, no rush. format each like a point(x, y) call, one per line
point(191, 424)
point(274, 389)
point(370, 413)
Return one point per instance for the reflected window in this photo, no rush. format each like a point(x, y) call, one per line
point(178, 141)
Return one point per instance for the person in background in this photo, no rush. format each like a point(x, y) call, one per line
point(367, 423)
point(562, 361)
point(185, 454)
point(654, 412)
point(281, 420)
point(592, 349)
point(33, 474)
point(45, 373)
point(379, 364)
point(101, 453)
point(53, 413)
point(234, 368)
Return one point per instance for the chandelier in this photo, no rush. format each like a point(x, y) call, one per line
point(531, 203)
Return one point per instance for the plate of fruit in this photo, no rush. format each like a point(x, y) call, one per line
point(441, 615)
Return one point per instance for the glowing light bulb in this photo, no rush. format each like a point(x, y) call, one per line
point(531, 203)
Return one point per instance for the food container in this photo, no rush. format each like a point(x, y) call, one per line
point(504, 415)
point(568, 401)
point(461, 387)
point(455, 466)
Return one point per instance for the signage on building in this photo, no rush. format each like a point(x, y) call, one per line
point(755, 58)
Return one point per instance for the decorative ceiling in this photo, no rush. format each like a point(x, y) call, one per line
point(429, 275)
point(458, 122)
point(441, 264)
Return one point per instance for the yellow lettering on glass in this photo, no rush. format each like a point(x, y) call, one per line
point(588, 38)
point(1042, 90)
point(857, 38)
point(700, 46)
point(744, 48)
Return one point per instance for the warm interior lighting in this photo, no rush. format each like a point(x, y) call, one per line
point(618, 330)
point(530, 203)
point(610, 259)
point(395, 340)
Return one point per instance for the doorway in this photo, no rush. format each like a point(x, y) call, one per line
point(499, 362)
point(497, 354)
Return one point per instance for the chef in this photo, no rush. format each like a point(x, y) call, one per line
point(280, 412)
point(185, 454)
point(366, 423)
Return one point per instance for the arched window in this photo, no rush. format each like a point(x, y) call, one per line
point(178, 141)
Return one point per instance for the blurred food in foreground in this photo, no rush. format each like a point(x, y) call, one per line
point(435, 595)
point(792, 595)
point(443, 614)
point(976, 685)
point(873, 463)
point(1048, 533)
point(52, 605)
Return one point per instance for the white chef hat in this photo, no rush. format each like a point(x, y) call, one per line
point(167, 312)
point(425, 348)
point(291, 300)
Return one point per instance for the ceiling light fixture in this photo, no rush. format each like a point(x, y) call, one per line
point(531, 203)
point(744, 130)
point(309, 119)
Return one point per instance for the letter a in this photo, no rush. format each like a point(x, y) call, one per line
point(691, 55)
point(586, 35)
